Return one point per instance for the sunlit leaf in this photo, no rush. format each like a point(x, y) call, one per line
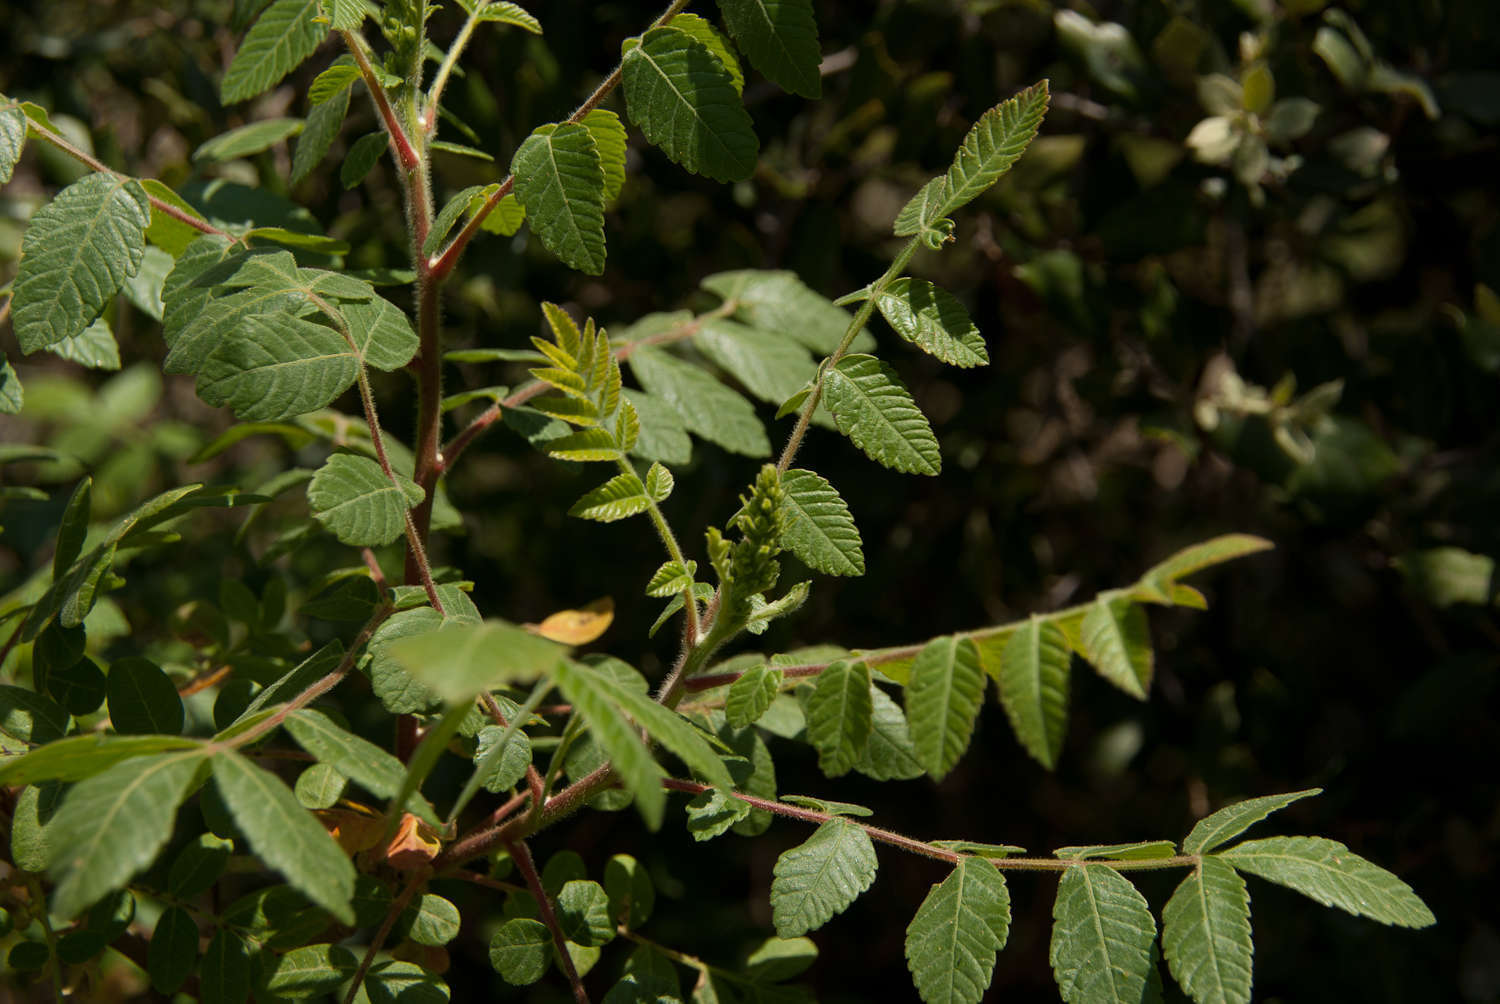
point(1205, 935)
point(952, 941)
point(821, 877)
point(618, 498)
point(943, 695)
point(246, 140)
point(1033, 683)
point(1328, 872)
point(578, 627)
point(876, 411)
point(933, 320)
point(1102, 933)
point(1229, 822)
point(838, 716)
point(355, 500)
point(1117, 641)
point(457, 661)
point(560, 181)
point(285, 35)
point(781, 39)
point(819, 528)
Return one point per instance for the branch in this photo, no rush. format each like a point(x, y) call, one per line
point(391, 915)
point(406, 155)
point(521, 854)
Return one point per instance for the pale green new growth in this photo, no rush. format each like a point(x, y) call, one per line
point(1205, 935)
point(952, 941)
point(821, 877)
point(1101, 937)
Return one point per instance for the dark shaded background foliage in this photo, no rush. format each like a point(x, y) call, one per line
point(1117, 279)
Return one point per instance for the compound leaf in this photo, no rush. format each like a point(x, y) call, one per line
point(1033, 681)
point(821, 877)
point(684, 101)
point(285, 835)
point(952, 940)
point(819, 529)
point(934, 321)
point(839, 716)
point(1327, 871)
point(1229, 822)
point(77, 253)
point(285, 35)
point(1102, 934)
point(356, 502)
point(943, 694)
point(875, 410)
point(560, 182)
point(113, 824)
point(781, 39)
point(1117, 640)
point(1205, 935)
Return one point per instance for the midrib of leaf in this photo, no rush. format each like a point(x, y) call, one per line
point(870, 405)
point(682, 98)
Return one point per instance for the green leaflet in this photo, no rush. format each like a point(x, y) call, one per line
point(1033, 684)
point(502, 12)
point(751, 694)
point(619, 740)
point(1205, 935)
point(455, 207)
point(330, 83)
point(838, 716)
point(362, 156)
point(995, 142)
point(708, 36)
point(94, 347)
point(671, 577)
point(781, 302)
point(360, 760)
point(821, 877)
point(560, 183)
point(521, 951)
point(875, 410)
point(922, 215)
point(943, 695)
point(173, 950)
point(382, 335)
point(26, 719)
point(819, 528)
point(12, 139)
point(1117, 641)
point(1102, 933)
point(347, 15)
point(934, 321)
point(310, 970)
point(1136, 850)
point(246, 140)
point(285, 35)
point(781, 39)
point(631, 894)
point(284, 834)
point(279, 367)
point(1328, 872)
point(459, 660)
point(712, 813)
point(684, 101)
point(620, 497)
point(889, 755)
point(666, 727)
point(952, 941)
point(78, 251)
point(1160, 585)
point(706, 407)
point(1229, 822)
point(112, 825)
point(772, 366)
point(142, 699)
point(73, 528)
point(324, 120)
point(224, 973)
point(429, 920)
point(76, 758)
point(356, 502)
point(12, 397)
point(583, 913)
point(166, 232)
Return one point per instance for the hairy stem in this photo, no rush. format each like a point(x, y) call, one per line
point(391, 916)
point(674, 551)
point(527, 867)
point(406, 154)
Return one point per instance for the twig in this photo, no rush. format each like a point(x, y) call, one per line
point(521, 854)
point(391, 916)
